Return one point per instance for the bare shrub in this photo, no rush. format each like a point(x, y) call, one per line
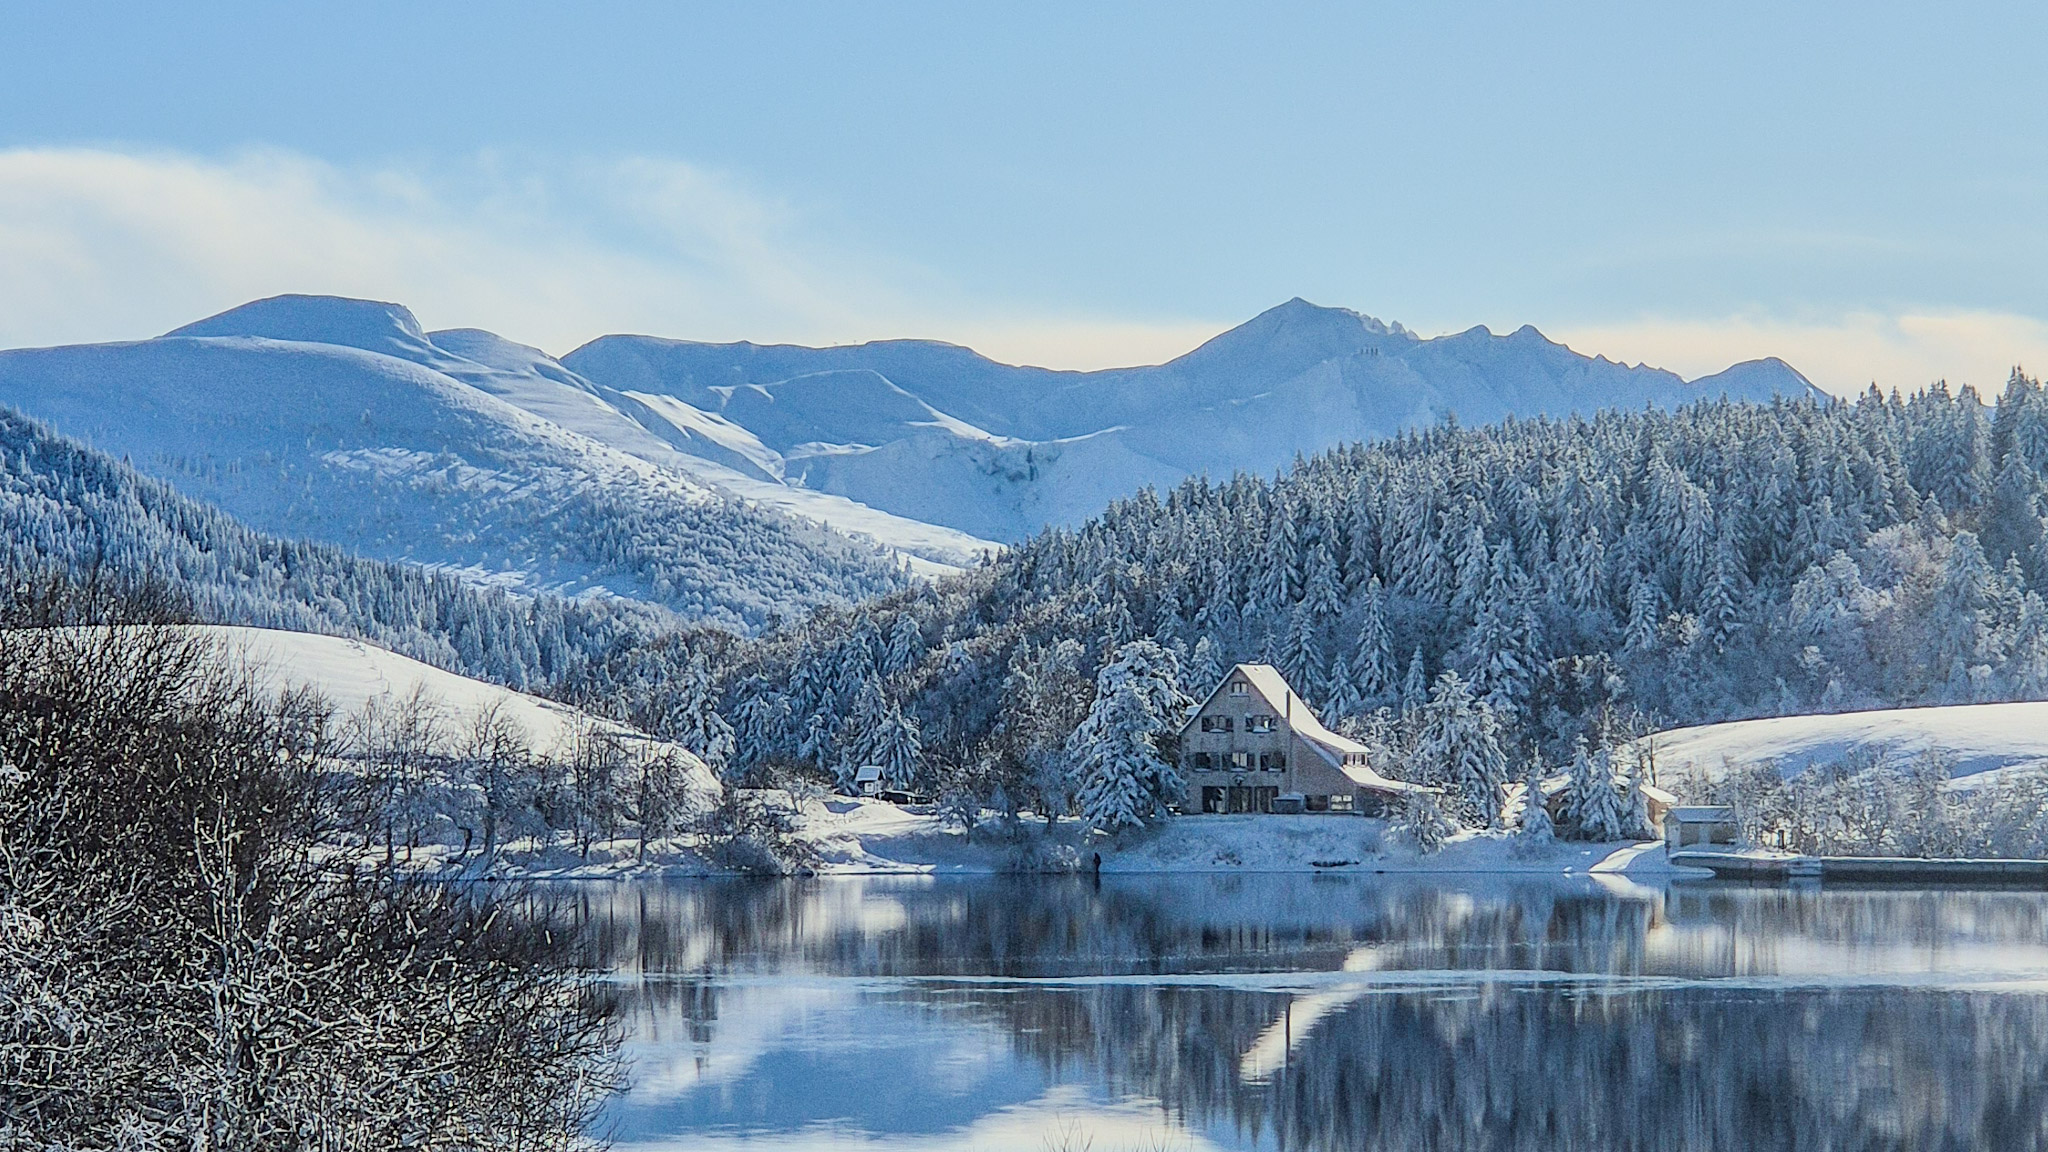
point(190, 959)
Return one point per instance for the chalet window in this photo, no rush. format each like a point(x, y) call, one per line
point(1206, 721)
point(1258, 723)
point(1340, 803)
point(1240, 760)
point(1239, 688)
point(1226, 724)
point(1216, 723)
point(1319, 803)
point(1272, 762)
point(1204, 761)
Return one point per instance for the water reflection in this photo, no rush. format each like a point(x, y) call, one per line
point(1325, 1013)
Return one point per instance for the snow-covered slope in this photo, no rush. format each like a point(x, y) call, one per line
point(340, 421)
point(351, 674)
point(940, 433)
point(1981, 737)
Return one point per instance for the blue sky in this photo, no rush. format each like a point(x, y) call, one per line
point(1861, 189)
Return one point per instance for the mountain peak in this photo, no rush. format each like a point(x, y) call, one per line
point(372, 325)
point(1296, 333)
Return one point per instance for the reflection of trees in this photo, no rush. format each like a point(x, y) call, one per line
point(1485, 1062)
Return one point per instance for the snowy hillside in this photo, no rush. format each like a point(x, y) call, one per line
point(340, 421)
point(1981, 737)
point(352, 674)
point(937, 432)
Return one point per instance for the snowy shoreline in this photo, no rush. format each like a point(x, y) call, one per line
point(875, 838)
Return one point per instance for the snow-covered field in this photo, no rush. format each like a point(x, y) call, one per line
point(1982, 738)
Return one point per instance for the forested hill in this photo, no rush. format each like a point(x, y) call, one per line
point(1717, 561)
point(67, 509)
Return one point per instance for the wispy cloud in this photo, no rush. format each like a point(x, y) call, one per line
point(101, 245)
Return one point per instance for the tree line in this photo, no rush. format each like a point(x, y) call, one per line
point(1578, 580)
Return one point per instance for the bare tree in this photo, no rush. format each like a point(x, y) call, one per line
point(185, 961)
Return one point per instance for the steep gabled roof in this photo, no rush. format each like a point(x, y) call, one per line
point(1288, 705)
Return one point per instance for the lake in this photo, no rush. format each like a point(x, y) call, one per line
point(1322, 1012)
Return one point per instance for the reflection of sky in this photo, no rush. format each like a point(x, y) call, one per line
point(785, 1060)
point(845, 1023)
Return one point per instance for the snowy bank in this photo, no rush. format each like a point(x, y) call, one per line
point(853, 837)
point(1982, 738)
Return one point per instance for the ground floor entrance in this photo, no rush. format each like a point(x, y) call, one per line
point(1239, 798)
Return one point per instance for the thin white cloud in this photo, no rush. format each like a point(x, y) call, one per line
point(98, 244)
point(1907, 350)
point(103, 245)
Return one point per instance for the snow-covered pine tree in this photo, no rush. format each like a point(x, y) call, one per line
point(1422, 821)
point(905, 645)
point(896, 748)
point(1301, 656)
point(854, 741)
point(1125, 776)
point(1372, 659)
point(1504, 650)
point(1593, 808)
point(1460, 746)
point(1635, 823)
point(1204, 671)
point(761, 728)
point(1645, 612)
point(1343, 698)
point(1535, 826)
point(694, 721)
point(1415, 685)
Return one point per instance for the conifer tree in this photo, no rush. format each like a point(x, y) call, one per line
point(1461, 745)
point(1121, 752)
point(1593, 803)
point(1535, 827)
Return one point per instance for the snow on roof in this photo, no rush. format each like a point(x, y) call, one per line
point(1271, 686)
point(1702, 813)
point(866, 773)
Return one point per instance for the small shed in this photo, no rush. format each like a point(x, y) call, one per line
point(1687, 825)
point(867, 779)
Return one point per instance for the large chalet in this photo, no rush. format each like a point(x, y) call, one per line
point(1255, 746)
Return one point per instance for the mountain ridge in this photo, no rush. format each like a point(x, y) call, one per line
point(457, 447)
point(1057, 445)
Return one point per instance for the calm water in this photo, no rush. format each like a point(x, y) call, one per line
point(1324, 1013)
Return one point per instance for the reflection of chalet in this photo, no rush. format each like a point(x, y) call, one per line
point(1254, 746)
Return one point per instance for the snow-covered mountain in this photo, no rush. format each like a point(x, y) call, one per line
point(724, 480)
point(341, 421)
point(937, 432)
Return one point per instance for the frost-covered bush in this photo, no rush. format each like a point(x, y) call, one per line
point(748, 831)
point(191, 957)
point(1421, 822)
point(1879, 806)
